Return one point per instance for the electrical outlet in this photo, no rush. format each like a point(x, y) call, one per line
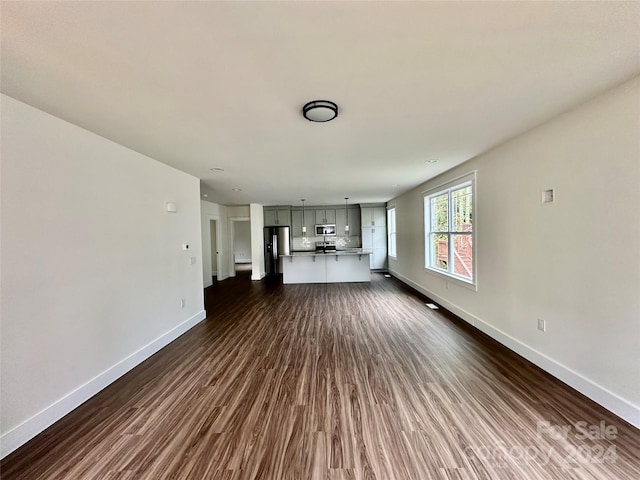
point(542, 325)
point(182, 302)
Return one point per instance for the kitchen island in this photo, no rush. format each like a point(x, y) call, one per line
point(331, 267)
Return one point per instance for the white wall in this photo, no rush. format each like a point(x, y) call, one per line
point(242, 242)
point(93, 271)
point(242, 211)
point(575, 264)
point(213, 211)
point(257, 241)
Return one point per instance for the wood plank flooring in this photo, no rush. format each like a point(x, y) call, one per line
point(349, 381)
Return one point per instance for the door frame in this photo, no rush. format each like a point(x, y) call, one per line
point(219, 226)
point(214, 224)
point(232, 237)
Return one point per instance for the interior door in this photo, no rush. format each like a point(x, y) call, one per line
point(214, 247)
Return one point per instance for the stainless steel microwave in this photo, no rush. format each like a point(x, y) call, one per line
point(326, 230)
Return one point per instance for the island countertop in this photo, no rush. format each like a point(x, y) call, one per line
point(322, 254)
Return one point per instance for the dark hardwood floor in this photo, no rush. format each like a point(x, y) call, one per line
point(341, 381)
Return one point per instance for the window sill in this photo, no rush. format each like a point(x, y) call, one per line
point(450, 279)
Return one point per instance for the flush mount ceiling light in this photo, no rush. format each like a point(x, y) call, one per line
point(236, 189)
point(433, 160)
point(217, 169)
point(320, 111)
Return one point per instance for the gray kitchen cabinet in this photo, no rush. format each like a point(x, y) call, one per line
point(270, 216)
point(374, 239)
point(373, 216)
point(380, 216)
point(277, 216)
point(353, 219)
point(325, 215)
point(341, 222)
point(297, 222)
point(310, 223)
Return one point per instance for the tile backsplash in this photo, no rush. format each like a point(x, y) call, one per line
point(309, 243)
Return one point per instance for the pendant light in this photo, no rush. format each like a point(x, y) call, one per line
point(346, 213)
point(304, 228)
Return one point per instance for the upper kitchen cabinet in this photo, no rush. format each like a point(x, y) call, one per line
point(354, 220)
point(351, 217)
point(374, 216)
point(325, 215)
point(297, 222)
point(277, 216)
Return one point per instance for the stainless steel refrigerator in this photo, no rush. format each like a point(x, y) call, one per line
point(276, 242)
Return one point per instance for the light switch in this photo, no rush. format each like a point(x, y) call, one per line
point(548, 196)
point(192, 260)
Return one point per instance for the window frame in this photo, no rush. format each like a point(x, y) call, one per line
point(392, 208)
point(448, 187)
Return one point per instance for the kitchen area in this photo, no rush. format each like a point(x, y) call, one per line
point(325, 243)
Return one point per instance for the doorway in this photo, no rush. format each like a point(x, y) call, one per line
point(213, 226)
point(241, 263)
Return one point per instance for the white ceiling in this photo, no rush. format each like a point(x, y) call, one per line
point(199, 85)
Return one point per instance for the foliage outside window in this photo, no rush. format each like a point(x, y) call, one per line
point(391, 231)
point(449, 231)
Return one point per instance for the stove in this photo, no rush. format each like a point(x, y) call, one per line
point(326, 246)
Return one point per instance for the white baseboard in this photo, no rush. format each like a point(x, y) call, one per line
point(208, 283)
point(260, 276)
point(609, 400)
point(24, 432)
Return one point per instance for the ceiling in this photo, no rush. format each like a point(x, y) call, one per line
point(201, 85)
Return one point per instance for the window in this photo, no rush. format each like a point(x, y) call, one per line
point(391, 231)
point(448, 220)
